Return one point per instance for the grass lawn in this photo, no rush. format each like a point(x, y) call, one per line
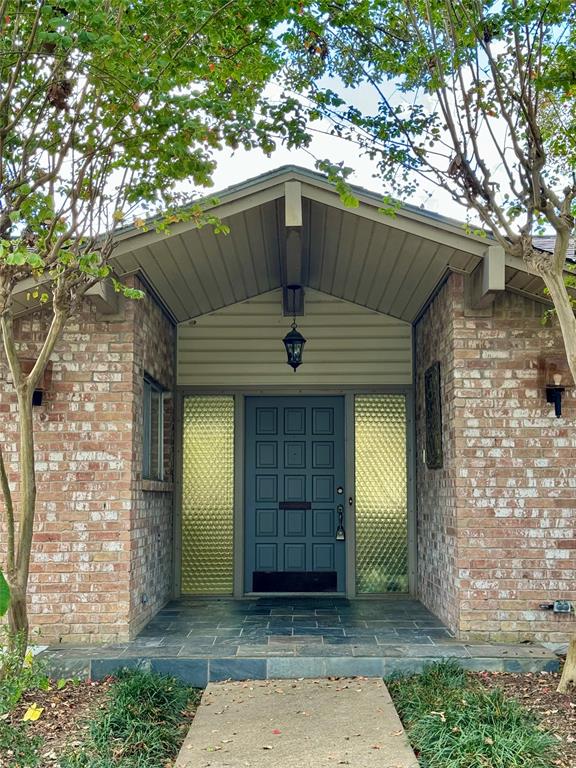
point(454, 720)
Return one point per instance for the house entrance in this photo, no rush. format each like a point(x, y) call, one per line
point(305, 494)
point(295, 495)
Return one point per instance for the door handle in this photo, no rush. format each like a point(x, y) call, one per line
point(340, 532)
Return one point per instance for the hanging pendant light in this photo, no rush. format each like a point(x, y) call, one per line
point(294, 341)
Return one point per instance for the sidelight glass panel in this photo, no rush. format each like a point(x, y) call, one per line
point(208, 495)
point(381, 494)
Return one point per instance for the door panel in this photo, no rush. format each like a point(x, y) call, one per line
point(294, 463)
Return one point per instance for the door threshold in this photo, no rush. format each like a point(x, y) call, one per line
point(252, 595)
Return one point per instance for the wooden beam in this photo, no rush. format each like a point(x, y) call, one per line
point(293, 257)
point(293, 203)
point(292, 268)
point(487, 279)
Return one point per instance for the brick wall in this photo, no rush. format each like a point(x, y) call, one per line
point(151, 531)
point(96, 529)
point(436, 489)
point(510, 470)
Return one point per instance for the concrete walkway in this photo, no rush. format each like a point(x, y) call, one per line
point(297, 724)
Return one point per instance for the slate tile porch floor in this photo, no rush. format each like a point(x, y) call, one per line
point(215, 639)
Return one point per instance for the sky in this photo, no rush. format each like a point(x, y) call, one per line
point(234, 167)
point(237, 166)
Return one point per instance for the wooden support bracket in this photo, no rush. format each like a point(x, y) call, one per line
point(104, 297)
point(487, 279)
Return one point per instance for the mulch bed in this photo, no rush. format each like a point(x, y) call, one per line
point(66, 717)
point(556, 711)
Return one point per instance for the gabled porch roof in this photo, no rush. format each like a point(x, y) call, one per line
point(290, 226)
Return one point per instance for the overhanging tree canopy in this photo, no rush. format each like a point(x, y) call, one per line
point(477, 98)
point(106, 109)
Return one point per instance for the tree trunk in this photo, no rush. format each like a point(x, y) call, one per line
point(18, 578)
point(17, 575)
point(565, 313)
point(569, 672)
point(18, 626)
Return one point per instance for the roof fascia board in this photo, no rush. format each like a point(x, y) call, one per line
point(132, 240)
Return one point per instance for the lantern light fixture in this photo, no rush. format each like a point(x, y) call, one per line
point(294, 341)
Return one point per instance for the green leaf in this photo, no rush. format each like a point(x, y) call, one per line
point(4, 594)
point(16, 259)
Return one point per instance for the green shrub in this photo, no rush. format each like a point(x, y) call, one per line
point(18, 747)
point(142, 726)
point(17, 678)
point(454, 722)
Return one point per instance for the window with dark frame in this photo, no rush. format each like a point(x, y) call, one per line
point(153, 431)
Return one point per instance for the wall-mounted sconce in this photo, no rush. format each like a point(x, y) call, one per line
point(554, 393)
point(43, 384)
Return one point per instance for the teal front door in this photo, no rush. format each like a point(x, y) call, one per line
point(295, 495)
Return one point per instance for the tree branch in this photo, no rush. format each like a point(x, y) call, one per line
point(7, 494)
point(59, 320)
point(7, 326)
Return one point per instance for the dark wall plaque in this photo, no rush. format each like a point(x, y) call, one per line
point(433, 409)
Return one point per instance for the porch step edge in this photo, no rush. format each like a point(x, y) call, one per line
point(198, 672)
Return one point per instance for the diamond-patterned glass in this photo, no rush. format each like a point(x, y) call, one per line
point(208, 495)
point(381, 494)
